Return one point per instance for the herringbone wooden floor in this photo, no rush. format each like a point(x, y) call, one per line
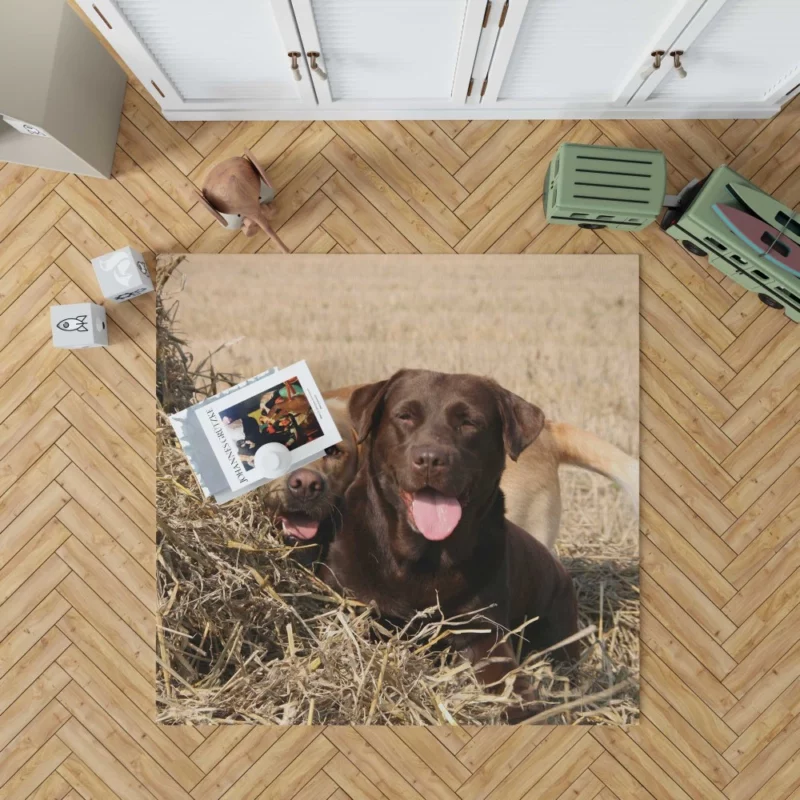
point(721, 496)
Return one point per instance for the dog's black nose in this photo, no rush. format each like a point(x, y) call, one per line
point(305, 483)
point(430, 456)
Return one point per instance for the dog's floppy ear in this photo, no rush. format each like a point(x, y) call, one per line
point(366, 403)
point(522, 421)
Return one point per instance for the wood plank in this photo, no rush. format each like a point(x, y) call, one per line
point(493, 153)
point(209, 134)
point(25, 199)
point(41, 540)
point(37, 769)
point(33, 664)
point(42, 438)
point(34, 300)
point(174, 183)
point(31, 266)
point(160, 132)
point(139, 746)
point(682, 555)
point(690, 633)
point(363, 215)
point(266, 768)
point(688, 452)
point(684, 520)
point(475, 134)
point(675, 403)
point(498, 217)
point(105, 770)
point(661, 716)
point(779, 568)
point(152, 197)
point(684, 592)
point(344, 231)
point(691, 382)
point(28, 233)
point(113, 629)
point(437, 143)
point(128, 605)
point(31, 593)
point(759, 369)
point(688, 704)
point(536, 147)
point(20, 640)
point(394, 136)
point(395, 191)
point(12, 176)
point(237, 762)
point(30, 413)
point(761, 403)
point(297, 143)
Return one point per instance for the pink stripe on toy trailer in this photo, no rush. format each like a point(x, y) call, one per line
point(763, 238)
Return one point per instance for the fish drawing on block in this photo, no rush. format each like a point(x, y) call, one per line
point(77, 324)
point(763, 238)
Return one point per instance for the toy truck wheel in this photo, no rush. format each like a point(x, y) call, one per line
point(769, 301)
point(592, 226)
point(693, 248)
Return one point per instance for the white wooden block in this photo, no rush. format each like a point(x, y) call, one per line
point(122, 274)
point(79, 325)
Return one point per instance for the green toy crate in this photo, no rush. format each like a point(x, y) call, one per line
point(605, 187)
point(695, 224)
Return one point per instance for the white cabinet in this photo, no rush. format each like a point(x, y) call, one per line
point(739, 51)
point(572, 53)
point(215, 55)
point(399, 54)
point(338, 59)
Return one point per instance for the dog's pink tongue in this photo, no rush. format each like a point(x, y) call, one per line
point(435, 515)
point(300, 526)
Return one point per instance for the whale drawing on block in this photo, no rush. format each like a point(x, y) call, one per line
point(763, 238)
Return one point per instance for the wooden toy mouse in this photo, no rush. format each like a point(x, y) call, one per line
point(237, 192)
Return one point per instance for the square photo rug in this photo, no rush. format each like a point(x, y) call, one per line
point(461, 546)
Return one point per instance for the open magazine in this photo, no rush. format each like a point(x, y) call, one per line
point(222, 435)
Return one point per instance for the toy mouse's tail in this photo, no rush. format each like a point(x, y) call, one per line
point(263, 223)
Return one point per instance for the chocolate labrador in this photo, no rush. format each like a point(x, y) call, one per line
point(531, 484)
point(424, 519)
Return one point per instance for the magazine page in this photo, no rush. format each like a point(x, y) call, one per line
point(285, 407)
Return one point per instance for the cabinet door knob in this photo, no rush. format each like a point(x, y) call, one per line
point(676, 60)
point(294, 55)
point(312, 57)
point(657, 55)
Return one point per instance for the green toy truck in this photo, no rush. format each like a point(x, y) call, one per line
point(607, 187)
point(701, 231)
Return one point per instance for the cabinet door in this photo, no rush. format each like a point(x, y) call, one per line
point(391, 53)
point(207, 54)
point(579, 53)
point(735, 52)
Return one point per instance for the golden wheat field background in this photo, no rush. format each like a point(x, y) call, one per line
point(561, 331)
